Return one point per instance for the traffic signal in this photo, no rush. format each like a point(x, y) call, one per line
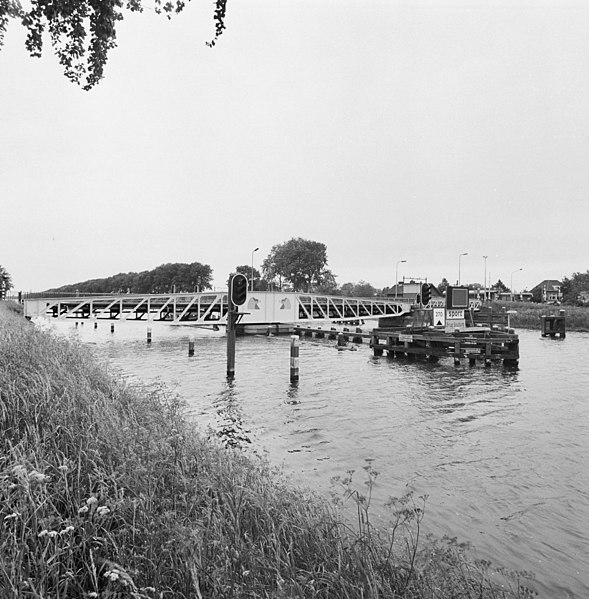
point(426, 293)
point(238, 289)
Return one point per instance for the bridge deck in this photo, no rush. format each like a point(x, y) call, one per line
point(209, 308)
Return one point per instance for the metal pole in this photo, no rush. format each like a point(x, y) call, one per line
point(230, 339)
point(397, 276)
point(459, 257)
point(485, 280)
point(252, 282)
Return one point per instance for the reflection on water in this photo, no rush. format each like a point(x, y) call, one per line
point(229, 427)
point(501, 454)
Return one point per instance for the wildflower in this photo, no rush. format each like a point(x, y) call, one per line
point(19, 471)
point(52, 534)
point(112, 575)
point(91, 500)
point(102, 510)
point(93, 594)
point(83, 509)
point(37, 478)
point(43, 533)
point(66, 530)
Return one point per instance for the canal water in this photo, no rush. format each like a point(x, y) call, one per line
point(502, 455)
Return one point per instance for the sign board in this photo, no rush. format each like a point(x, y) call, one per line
point(437, 302)
point(456, 297)
point(454, 325)
point(455, 314)
point(475, 304)
point(439, 317)
point(408, 338)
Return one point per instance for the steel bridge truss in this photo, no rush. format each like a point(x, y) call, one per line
point(210, 308)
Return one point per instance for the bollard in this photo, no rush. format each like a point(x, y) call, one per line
point(191, 348)
point(112, 328)
point(341, 340)
point(333, 334)
point(319, 334)
point(294, 358)
point(76, 325)
point(268, 331)
point(148, 334)
point(95, 325)
point(358, 337)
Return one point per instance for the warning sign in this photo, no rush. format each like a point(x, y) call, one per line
point(439, 317)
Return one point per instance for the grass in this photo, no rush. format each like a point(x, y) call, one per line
point(106, 491)
point(529, 313)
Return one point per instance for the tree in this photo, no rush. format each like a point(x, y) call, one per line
point(443, 285)
point(501, 286)
point(246, 270)
point(360, 289)
point(82, 32)
point(5, 282)
point(571, 288)
point(300, 262)
point(178, 277)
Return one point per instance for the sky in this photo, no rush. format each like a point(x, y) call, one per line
point(388, 130)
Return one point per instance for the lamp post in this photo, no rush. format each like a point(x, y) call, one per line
point(397, 276)
point(252, 282)
point(459, 257)
point(485, 280)
point(511, 281)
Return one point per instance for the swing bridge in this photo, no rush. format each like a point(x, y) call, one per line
point(210, 308)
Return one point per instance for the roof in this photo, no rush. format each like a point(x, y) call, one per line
point(549, 285)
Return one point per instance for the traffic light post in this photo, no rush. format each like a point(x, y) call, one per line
point(235, 298)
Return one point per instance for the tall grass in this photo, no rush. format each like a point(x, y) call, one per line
point(528, 315)
point(106, 491)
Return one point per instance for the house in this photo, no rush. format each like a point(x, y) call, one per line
point(410, 291)
point(549, 291)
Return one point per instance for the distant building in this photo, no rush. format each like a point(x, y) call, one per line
point(408, 292)
point(549, 291)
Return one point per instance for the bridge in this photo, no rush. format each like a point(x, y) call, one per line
point(210, 308)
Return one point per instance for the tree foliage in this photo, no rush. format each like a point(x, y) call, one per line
point(5, 282)
point(572, 287)
point(82, 32)
point(178, 277)
point(360, 289)
point(246, 270)
point(300, 262)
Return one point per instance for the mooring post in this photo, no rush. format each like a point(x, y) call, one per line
point(148, 334)
point(342, 340)
point(95, 325)
point(294, 358)
point(191, 348)
point(112, 328)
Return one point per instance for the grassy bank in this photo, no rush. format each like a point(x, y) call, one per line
point(529, 313)
point(106, 491)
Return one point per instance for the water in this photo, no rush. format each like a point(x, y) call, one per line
point(501, 454)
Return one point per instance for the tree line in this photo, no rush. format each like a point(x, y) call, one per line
point(295, 265)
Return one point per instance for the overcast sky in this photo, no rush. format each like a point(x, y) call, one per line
point(387, 130)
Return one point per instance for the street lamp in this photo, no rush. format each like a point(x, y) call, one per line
point(252, 282)
point(397, 276)
point(511, 281)
point(485, 280)
point(459, 257)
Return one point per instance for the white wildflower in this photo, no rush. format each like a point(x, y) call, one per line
point(102, 510)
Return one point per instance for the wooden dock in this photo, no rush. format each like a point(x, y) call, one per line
point(475, 344)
